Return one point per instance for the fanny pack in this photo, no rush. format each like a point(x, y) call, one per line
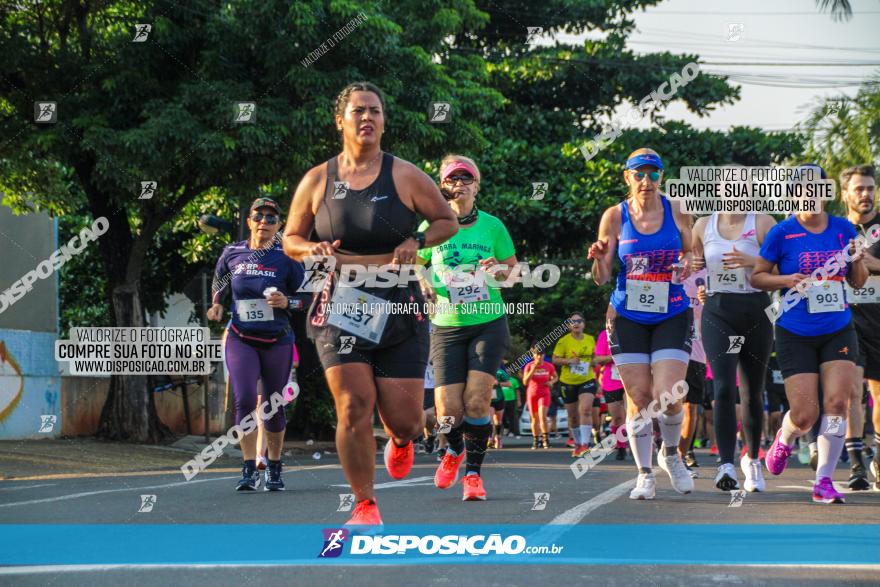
point(261, 339)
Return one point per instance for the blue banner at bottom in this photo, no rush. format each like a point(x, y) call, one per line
point(661, 544)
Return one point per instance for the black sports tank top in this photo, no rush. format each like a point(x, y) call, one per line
point(370, 221)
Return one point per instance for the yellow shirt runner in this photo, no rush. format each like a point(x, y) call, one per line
point(569, 347)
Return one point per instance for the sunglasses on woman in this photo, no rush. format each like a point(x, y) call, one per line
point(464, 179)
point(654, 176)
point(270, 218)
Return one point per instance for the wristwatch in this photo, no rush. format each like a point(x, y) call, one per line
point(420, 237)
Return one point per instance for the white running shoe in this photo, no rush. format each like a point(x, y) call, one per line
point(726, 479)
point(751, 468)
point(681, 479)
point(645, 487)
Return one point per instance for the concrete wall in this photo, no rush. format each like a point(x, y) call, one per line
point(26, 241)
point(82, 399)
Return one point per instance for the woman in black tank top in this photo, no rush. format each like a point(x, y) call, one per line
point(360, 209)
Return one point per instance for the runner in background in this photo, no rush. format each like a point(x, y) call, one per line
point(815, 338)
point(737, 336)
point(574, 354)
point(857, 190)
point(649, 319)
point(696, 374)
point(470, 334)
point(512, 404)
point(259, 341)
point(502, 384)
point(262, 439)
point(430, 434)
point(612, 389)
point(777, 403)
point(538, 377)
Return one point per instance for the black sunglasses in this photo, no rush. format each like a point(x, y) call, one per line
point(270, 218)
point(464, 179)
point(577, 321)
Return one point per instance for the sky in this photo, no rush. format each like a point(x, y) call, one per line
point(773, 97)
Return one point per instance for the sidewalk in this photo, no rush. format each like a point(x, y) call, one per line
point(78, 456)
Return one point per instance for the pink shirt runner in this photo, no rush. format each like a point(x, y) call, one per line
point(610, 378)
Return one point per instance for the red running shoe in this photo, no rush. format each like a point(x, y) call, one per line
point(366, 519)
point(447, 472)
point(570, 442)
point(398, 459)
point(473, 488)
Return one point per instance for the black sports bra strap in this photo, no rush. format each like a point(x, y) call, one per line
point(332, 173)
point(329, 189)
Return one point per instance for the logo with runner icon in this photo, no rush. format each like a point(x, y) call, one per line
point(736, 343)
point(638, 265)
point(736, 498)
point(47, 423)
point(346, 345)
point(340, 190)
point(541, 500)
point(317, 269)
point(539, 190)
point(445, 424)
point(334, 540)
point(147, 503)
point(346, 500)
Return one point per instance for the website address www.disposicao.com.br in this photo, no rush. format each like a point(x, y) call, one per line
point(412, 544)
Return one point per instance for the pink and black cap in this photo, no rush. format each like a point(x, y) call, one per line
point(457, 166)
point(266, 203)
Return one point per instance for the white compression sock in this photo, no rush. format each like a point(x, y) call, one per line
point(575, 434)
point(640, 444)
point(789, 430)
point(830, 441)
point(670, 429)
point(586, 431)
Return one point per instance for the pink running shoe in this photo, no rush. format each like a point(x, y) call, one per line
point(777, 455)
point(824, 492)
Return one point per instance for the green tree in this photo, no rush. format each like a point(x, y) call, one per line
point(842, 131)
point(163, 110)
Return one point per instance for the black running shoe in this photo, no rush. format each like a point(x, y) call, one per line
point(534, 442)
point(250, 479)
point(273, 477)
point(690, 459)
point(621, 453)
point(430, 443)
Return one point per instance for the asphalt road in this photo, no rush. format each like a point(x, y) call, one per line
point(512, 477)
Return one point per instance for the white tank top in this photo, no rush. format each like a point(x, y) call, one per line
point(714, 246)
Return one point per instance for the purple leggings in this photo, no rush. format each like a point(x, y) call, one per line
point(247, 364)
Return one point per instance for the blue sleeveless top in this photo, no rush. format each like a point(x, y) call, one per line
point(661, 250)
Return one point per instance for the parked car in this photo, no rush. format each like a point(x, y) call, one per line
point(525, 421)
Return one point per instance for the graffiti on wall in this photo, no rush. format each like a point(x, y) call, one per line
point(11, 383)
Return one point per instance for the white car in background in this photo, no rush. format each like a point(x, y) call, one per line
point(525, 421)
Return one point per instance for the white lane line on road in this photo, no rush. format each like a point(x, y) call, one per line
point(579, 512)
point(563, 522)
point(414, 482)
point(89, 493)
point(27, 487)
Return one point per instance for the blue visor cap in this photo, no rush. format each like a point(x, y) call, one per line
point(644, 159)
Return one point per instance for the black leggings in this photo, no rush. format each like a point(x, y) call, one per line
point(726, 315)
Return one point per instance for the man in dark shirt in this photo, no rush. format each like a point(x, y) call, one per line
point(857, 192)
